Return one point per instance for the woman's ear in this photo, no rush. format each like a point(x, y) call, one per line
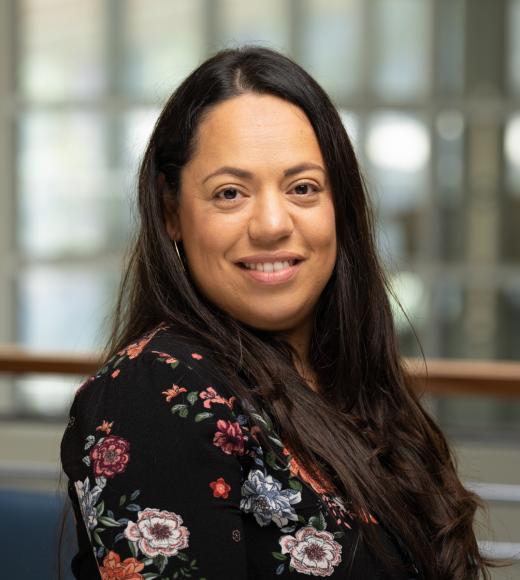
point(171, 214)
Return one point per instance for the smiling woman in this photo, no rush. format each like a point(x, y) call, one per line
point(252, 419)
point(238, 225)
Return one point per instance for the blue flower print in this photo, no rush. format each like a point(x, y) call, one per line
point(263, 496)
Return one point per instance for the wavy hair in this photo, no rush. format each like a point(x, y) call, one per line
point(366, 430)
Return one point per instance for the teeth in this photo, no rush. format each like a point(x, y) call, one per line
point(270, 266)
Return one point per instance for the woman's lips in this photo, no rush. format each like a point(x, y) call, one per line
point(276, 277)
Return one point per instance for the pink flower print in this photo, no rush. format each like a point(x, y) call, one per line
point(229, 437)
point(158, 532)
point(116, 373)
point(336, 507)
point(312, 552)
point(196, 355)
point(110, 456)
point(211, 396)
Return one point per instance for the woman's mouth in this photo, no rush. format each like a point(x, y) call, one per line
point(270, 272)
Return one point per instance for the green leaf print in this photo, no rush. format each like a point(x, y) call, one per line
point(295, 484)
point(109, 522)
point(276, 441)
point(192, 397)
point(202, 416)
point(178, 408)
point(100, 508)
point(96, 537)
point(318, 522)
point(133, 548)
point(160, 562)
point(279, 556)
point(264, 421)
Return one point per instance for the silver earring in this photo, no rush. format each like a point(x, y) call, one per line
point(178, 254)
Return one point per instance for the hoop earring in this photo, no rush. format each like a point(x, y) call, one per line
point(178, 254)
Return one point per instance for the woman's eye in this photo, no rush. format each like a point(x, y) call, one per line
point(304, 188)
point(227, 194)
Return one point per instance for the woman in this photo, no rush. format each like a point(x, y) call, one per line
point(252, 419)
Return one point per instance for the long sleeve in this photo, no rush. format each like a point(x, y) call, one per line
point(168, 480)
point(152, 452)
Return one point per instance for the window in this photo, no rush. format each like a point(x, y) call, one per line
point(436, 128)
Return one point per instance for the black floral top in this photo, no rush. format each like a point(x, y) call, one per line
point(168, 480)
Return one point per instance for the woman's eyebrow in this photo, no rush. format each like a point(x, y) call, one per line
point(228, 170)
point(302, 167)
point(244, 174)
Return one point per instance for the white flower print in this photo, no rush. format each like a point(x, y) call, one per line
point(313, 552)
point(87, 499)
point(158, 532)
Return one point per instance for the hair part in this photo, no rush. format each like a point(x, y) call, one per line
point(350, 429)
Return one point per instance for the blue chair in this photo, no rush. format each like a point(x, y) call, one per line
point(30, 525)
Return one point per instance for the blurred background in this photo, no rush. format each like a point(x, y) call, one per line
point(429, 91)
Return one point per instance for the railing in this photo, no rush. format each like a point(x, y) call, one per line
point(436, 377)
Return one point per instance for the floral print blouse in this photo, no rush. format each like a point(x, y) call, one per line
point(167, 480)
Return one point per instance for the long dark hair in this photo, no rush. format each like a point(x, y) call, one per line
point(366, 429)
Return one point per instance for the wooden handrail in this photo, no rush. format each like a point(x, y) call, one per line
point(19, 361)
point(438, 377)
point(465, 377)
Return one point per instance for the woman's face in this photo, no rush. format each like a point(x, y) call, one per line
point(255, 192)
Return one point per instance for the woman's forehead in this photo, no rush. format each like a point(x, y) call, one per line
point(251, 130)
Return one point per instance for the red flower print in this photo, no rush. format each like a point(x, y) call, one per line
point(229, 437)
point(316, 480)
point(114, 569)
point(367, 518)
point(106, 427)
point(196, 355)
point(110, 456)
point(116, 373)
point(220, 488)
point(211, 396)
point(173, 392)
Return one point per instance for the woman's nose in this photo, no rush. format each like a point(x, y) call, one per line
point(270, 218)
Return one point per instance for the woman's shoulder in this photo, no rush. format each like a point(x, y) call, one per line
point(155, 386)
point(159, 352)
point(158, 375)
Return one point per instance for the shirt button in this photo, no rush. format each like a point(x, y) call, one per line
point(236, 535)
